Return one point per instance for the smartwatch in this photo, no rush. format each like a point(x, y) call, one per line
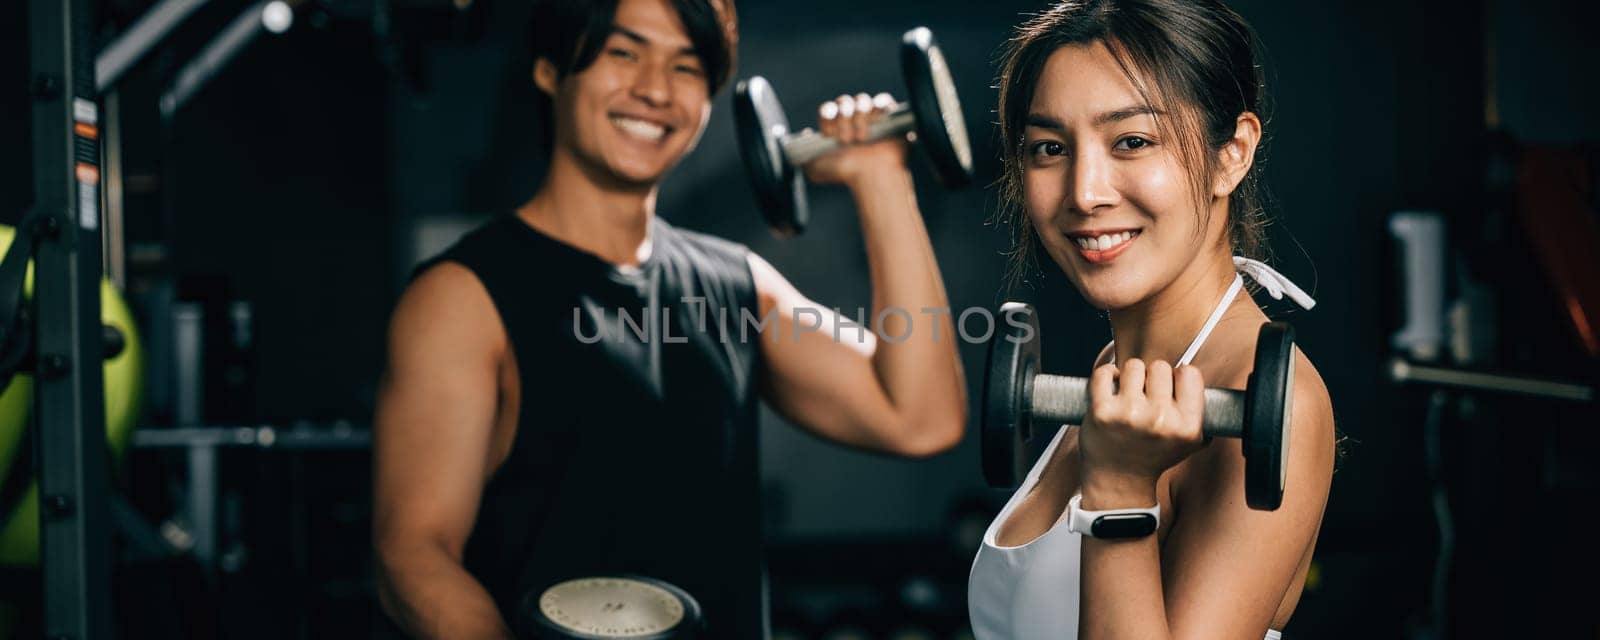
point(1115, 524)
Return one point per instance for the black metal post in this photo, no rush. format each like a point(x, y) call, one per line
point(69, 397)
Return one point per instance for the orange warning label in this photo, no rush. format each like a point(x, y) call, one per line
point(88, 173)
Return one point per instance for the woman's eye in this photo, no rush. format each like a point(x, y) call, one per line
point(693, 71)
point(1133, 143)
point(1046, 148)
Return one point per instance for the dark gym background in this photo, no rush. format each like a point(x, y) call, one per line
point(320, 164)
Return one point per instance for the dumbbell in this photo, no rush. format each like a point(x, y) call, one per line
point(602, 607)
point(773, 155)
point(1017, 394)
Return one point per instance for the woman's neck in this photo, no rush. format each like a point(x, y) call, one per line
point(576, 208)
point(1163, 326)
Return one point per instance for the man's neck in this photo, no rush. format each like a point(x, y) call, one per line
point(591, 212)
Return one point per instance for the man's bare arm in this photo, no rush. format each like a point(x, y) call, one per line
point(901, 393)
point(432, 434)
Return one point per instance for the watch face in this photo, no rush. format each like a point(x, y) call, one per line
point(1123, 525)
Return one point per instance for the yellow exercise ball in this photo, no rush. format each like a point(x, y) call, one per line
point(19, 535)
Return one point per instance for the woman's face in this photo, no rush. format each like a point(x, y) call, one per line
point(1110, 199)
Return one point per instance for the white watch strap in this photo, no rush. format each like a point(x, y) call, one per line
point(1082, 521)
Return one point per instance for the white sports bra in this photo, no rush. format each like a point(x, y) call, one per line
point(1030, 591)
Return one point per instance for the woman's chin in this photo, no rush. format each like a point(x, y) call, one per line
point(1103, 288)
point(1107, 296)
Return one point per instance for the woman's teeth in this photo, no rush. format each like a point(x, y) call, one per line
point(1106, 241)
point(640, 128)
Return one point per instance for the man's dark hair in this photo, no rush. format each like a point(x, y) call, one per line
point(570, 33)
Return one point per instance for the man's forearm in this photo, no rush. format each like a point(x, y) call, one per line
point(430, 595)
point(916, 358)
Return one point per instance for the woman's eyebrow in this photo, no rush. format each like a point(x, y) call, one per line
point(1043, 121)
point(1118, 115)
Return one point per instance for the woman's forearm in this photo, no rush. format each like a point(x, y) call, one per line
point(1121, 594)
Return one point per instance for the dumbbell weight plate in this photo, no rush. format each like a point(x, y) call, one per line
point(941, 128)
point(761, 124)
point(1006, 426)
point(1268, 407)
point(609, 608)
point(934, 105)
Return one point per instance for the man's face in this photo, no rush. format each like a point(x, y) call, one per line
point(642, 104)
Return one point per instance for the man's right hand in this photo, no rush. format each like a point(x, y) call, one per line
point(846, 119)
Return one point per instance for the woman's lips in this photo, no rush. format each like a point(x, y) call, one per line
point(1106, 246)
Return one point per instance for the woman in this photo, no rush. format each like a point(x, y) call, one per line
point(1131, 129)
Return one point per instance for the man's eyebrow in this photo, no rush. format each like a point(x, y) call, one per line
point(640, 39)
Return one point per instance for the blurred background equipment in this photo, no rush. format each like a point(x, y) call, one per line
point(19, 491)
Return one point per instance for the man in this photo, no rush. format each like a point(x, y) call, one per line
point(572, 389)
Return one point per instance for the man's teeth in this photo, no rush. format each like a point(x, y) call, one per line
point(640, 128)
point(1105, 241)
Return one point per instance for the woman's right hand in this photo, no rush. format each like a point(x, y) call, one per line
point(1143, 419)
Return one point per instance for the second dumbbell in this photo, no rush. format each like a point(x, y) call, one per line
point(773, 155)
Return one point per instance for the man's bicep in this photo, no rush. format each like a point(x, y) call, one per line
point(820, 369)
point(436, 411)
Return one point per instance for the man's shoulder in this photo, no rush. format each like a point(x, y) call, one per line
point(702, 260)
point(446, 302)
point(444, 283)
point(697, 241)
point(480, 239)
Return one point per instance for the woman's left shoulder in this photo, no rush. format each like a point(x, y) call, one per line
point(1313, 440)
point(1312, 437)
point(1311, 398)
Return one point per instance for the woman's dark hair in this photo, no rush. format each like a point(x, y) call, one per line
point(1194, 60)
point(570, 34)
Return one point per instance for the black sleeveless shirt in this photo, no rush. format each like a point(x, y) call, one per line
point(635, 450)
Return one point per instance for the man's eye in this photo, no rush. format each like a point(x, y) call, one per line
point(694, 71)
point(621, 53)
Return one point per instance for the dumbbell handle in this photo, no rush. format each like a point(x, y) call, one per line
point(1065, 399)
point(804, 146)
